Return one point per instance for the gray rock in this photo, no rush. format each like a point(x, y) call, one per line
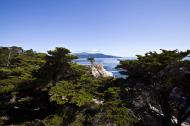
point(97, 70)
point(186, 122)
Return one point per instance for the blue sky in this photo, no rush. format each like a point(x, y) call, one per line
point(117, 27)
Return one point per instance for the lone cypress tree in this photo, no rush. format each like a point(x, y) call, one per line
point(91, 60)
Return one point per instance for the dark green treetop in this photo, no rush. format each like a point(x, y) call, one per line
point(91, 60)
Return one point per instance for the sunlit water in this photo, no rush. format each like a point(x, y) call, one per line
point(108, 63)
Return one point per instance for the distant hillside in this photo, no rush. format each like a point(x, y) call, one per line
point(95, 55)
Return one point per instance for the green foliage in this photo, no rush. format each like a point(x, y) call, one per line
point(158, 70)
point(20, 69)
point(12, 84)
point(147, 68)
point(69, 92)
point(53, 120)
point(58, 64)
point(113, 91)
point(119, 116)
point(6, 88)
point(79, 121)
point(151, 78)
point(49, 89)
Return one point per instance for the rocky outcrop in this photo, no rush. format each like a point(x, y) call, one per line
point(186, 122)
point(151, 113)
point(97, 70)
point(180, 106)
point(96, 101)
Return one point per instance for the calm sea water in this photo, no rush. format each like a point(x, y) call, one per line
point(108, 63)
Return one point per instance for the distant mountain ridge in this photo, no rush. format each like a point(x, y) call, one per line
point(95, 55)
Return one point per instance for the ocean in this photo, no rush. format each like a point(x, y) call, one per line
point(108, 63)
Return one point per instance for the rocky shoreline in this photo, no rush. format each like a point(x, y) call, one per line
point(98, 70)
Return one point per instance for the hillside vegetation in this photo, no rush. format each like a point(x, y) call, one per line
point(39, 89)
